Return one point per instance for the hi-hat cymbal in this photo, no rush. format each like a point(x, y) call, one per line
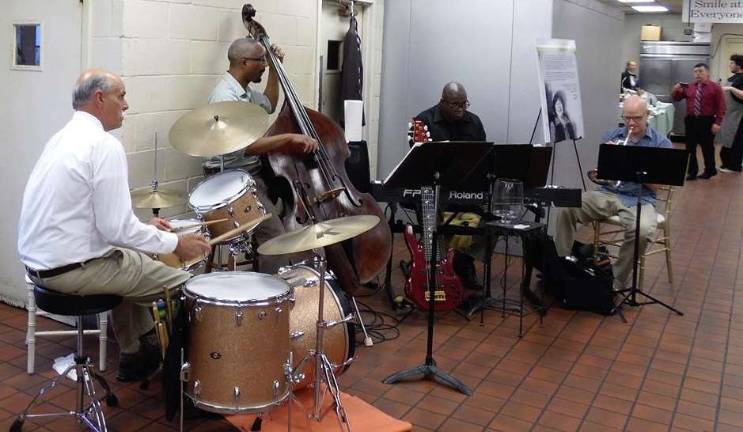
point(161, 198)
point(319, 235)
point(219, 128)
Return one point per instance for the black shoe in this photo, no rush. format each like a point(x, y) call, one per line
point(141, 365)
point(691, 177)
point(708, 175)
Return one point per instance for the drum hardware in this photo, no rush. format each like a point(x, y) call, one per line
point(339, 340)
point(219, 128)
point(323, 367)
point(154, 198)
point(313, 237)
point(173, 260)
point(183, 378)
point(367, 340)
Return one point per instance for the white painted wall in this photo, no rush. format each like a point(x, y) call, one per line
point(597, 30)
point(488, 46)
point(35, 104)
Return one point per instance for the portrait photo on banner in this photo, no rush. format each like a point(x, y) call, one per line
point(561, 100)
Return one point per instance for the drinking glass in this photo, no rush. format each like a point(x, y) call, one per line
point(507, 199)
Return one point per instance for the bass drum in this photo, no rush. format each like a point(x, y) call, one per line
point(339, 342)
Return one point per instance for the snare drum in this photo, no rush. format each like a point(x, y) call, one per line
point(339, 342)
point(193, 225)
point(171, 259)
point(228, 195)
point(238, 344)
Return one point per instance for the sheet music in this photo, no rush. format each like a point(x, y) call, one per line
point(394, 170)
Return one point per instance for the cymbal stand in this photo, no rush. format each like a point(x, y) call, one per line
point(324, 369)
point(155, 211)
point(183, 379)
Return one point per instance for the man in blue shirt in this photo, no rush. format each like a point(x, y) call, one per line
point(618, 199)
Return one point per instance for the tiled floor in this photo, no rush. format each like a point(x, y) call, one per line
point(578, 371)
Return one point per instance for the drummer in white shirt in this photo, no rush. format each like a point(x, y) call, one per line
point(78, 234)
point(248, 63)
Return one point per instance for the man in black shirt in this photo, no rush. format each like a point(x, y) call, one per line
point(731, 129)
point(449, 120)
point(629, 77)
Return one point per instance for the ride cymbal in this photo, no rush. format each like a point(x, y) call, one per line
point(219, 128)
point(319, 235)
point(157, 199)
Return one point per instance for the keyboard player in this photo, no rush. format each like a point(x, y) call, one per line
point(449, 120)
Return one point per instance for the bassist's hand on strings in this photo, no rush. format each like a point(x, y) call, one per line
point(301, 144)
point(278, 51)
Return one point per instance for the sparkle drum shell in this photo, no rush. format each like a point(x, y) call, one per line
point(227, 195)
point(238, 341)
point(339, 342)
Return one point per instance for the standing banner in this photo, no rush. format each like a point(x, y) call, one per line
point(712, 11)
point(562, 112)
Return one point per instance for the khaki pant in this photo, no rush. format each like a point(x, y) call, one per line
point(601, 205)
point(130, 274)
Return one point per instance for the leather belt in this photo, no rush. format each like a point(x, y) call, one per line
point(43, 274)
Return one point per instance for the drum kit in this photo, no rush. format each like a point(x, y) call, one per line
point(255, 338)
point(295, 329)
point(223, 201)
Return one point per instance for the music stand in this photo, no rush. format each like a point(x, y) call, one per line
point(436, 164)
point(641, 165)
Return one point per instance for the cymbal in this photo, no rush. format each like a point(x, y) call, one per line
point(319, 235)
point(161, 198)
point(219, 128)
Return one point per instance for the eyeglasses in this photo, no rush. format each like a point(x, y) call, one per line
point(463, 105)
point(635, 118)
point(259, 59)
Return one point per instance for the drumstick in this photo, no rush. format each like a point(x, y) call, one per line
point(195, 225)
point(232, 233)
point(240, 229)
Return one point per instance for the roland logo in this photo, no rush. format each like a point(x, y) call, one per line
point(466, 195)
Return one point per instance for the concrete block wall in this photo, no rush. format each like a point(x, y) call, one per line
point(170, 54)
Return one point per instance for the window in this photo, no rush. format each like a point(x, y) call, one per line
point(334, 55)
point(26, 46)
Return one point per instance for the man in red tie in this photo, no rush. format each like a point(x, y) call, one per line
point(705, 108)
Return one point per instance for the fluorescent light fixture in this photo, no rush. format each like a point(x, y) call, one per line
point(636, 1)
point(654, 8)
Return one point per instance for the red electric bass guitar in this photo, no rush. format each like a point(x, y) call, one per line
point(449, 292)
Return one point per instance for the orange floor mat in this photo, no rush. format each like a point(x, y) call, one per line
point(362, 417)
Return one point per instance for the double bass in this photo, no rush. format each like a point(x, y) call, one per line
point(318, 186)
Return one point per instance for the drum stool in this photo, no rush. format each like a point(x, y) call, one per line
point(90, 415)
point(32, 334)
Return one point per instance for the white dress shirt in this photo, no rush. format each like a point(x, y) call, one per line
point(228, 89)
point(76, 205)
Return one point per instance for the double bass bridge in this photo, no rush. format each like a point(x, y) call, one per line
point(328, 195)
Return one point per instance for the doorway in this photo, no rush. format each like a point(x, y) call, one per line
point(333, 29)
